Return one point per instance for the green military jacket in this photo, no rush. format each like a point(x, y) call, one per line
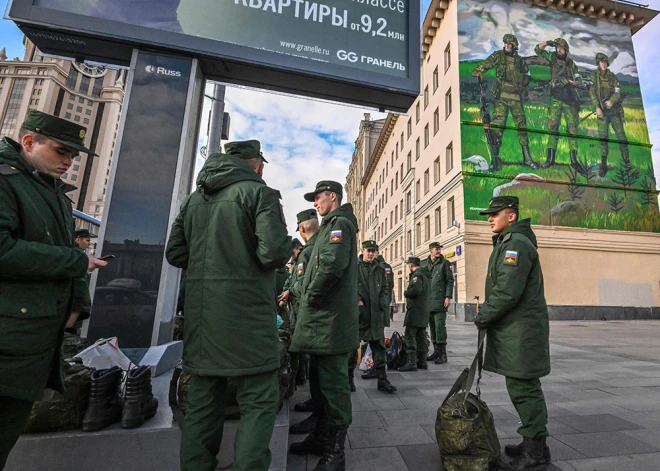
point(515, 312)
point(417, 299)
point(511, 72)
point(295, 280)
point(373, 292)
point(562, 71)
point(39, 266)
point(442, 283)
point(327, 321)
point(605, 87)
point(230, 236)
point(389, 280)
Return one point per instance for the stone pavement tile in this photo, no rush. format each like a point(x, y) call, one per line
point(500, 413)
point(597, 423)
point(510, 427)
point(587, 407)
point(610, 463)
point(388, 436)
point(393, 418)
point(618, 374)
point(366, 419)
point(400, 391)
point(375, 459)
point(650, 458)
point(632, 382)
point(647, 419)
point(422, 457)
point(594, 445)
point(553, 410)
point(361, 402)
point(424, 402)
point(296, 463)
point(634, 392)
point(638, 404)
point(650, 436)
point(430, 430)
point(559, 451)
point(572, 385)
point(586, 395)
point(389, 402)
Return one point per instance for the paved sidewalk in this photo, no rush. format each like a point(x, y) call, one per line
point(603, 400)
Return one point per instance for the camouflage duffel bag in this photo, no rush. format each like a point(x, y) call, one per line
point(56, 412)
point(464, 427)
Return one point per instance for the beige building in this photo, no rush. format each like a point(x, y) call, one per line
point(90, 96)
point(406, 183)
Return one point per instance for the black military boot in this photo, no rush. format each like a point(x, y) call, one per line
point(333, 458)
point(422, 364)
point(530, 459)
point(304, 427)
point(384, 383)
point(301, 374)
point(351, 379)
point(307, 406)
point(435, 354)
point(516, 450)
point(574, 160)
point(497, 162)
point(527, 159)
point(371, 373)
point(550, 161)
point(139, 401)
point(314, 444)
point(105, 404)
point(410, 366)
point(442, 359)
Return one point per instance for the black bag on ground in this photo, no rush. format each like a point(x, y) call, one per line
point(396, 352)
point(464, 427)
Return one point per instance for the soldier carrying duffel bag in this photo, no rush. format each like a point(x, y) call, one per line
point(464, 427)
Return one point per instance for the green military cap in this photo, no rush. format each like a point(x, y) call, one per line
point(370, 244)
point(306, 215)
point(499, 203)
point(435, 245)
point(415, 261)
point(245, 149)
point(325, 185)
point(70, 134)
point(84, 233)
point(511, 39)
point(295, 243)
point(602, 57)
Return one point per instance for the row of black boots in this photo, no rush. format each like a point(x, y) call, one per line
point(107, 405)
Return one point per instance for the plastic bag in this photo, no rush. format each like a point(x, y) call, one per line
point(367, 360)
point(103, 354)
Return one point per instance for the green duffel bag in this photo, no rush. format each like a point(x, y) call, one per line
point(464, 427)
point(56, 412)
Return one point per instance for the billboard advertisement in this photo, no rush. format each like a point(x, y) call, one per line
point(369, 43)
point(551, 112)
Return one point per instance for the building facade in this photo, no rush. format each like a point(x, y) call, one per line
point(481, 110)
point(90, 96)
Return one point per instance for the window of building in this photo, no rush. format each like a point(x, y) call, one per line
point(396, 249)
point(426, 181)
point(438, 220)
point(451, 216)
point(436, 121)
point(396, 180)
point(88, 112)
point(418, 191)
point(81, 100)
point(67, 116)
point(72, 78)
point(426, 96)
point(418, 233)
point(409, 127)
point(401, 145)
point(74, 177)
point(76, 167)
point(409, 161)
point(77, 159)
point(392, 160)
point(408, 202)
point(427, 227)
point(69, 106)
point(84, 85)
point(13, 107)
point(85, 121)
point(98, 86)
point(65, 175)
point(391, 219)
point(426, 136)
point(78, 109)
point(448, 103)
point(436, 80)
point(417, 149)
point(436, 170)
point(76, 118)
point(447, 57)
point(417, 112)
point(409, 241)
point(386, 227)
point(449, 157)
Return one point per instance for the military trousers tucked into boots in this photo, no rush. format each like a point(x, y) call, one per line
point(416, 344)
point(258, 397)
point(14, 415)
point(377, 353)
point(527, 397)
point(328, 383)
point(438, 327)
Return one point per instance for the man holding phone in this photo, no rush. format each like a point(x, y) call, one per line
point(40, 264)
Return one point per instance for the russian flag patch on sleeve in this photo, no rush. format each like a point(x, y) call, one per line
point(335, 237)
point(511, 257)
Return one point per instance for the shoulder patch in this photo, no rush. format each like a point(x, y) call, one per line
point(511, 257)
point(6, 169)
point(414, 279)
point(336, 236)
point(388, 270)
point(301, 269)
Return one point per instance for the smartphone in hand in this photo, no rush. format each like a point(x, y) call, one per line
point(105, 258)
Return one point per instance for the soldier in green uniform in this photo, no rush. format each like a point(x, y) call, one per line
point(564, 97)
point(417, 314)
point(327, 325)
point(606, 97)
point(373, 306)
point(442, 288)
point(230, 236)
point(510, 91)
point(515, 316)
point(40, 267)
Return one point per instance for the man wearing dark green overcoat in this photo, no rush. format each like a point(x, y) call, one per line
point(515, 316)
point(417, 315)
point(39, 265)
point(230, 236)
point(442, 288)
point(327, 326)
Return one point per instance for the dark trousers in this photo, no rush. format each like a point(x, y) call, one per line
point(328, 383)
point(201, 435)
point(14, 415)
point(416, 344)
point(527, 397)
point(377, 352)
point(438, 327)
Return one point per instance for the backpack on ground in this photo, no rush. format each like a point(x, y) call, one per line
point(464, 427)
point(396, 352)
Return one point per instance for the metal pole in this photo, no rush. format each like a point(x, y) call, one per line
point(215, 122)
